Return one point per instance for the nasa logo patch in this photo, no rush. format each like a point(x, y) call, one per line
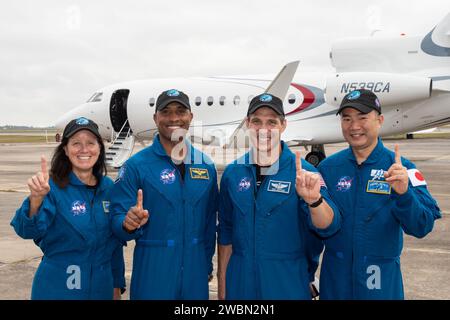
point(78, 208)
point(167, 176)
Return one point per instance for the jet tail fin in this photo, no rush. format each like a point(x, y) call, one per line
point(437, 41)
point(280, 85)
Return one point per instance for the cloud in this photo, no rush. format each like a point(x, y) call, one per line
point(56, 53)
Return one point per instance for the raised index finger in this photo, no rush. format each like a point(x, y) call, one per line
point(398, 158)
point(44, 167)
point(140, 199)
point(298, 162)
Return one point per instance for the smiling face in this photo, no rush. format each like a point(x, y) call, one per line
point(173, 121)
point(361, 130)
point(83, 151)
point(265, 127)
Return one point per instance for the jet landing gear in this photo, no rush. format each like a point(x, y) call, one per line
point(316, 155)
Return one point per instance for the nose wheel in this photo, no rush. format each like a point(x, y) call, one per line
point(316, 155)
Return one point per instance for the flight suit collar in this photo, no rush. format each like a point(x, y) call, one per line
point(373, 157)
point(265, 200)
point(75, 181)
point(281, 162)
point(159, 150)
point(191, 189)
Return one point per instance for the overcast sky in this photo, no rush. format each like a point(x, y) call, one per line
point(54, 53)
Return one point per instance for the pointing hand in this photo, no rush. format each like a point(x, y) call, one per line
point(136, 217)
point(38, 184)
point(307, 183)
point(397, 175)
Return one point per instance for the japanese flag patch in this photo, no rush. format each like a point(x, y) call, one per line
point(416, 178)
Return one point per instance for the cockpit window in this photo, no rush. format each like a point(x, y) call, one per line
point(96, 97)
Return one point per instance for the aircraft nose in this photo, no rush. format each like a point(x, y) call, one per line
point(79, 111)
point(61, 122)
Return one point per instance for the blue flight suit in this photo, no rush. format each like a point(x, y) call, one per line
point(362, 261)
point(274, 250)
point(82, 258)
point(174, 249)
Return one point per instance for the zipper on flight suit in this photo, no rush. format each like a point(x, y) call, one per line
point(95, 235)
point(255, 197)
point(183, 224)
point(354, 243)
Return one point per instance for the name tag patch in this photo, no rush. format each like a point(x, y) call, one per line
point(379, 187)
point(279, 186)
point(199, 173)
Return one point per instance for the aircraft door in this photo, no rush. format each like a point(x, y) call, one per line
point(118, 109)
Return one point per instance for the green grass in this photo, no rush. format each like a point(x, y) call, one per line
point(25, 139)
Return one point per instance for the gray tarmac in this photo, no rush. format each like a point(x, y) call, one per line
point(425, 262)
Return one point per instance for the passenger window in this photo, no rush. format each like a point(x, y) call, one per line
point(210, 101)
point(151, 102)
point(198, 101)
point(222, 100)
point(291, 98)
point(236, 100)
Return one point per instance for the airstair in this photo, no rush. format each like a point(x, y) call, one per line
point(121, 147)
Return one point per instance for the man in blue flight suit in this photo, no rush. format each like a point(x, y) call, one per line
point(381, 195)
point(173, 219)
point(267, 209)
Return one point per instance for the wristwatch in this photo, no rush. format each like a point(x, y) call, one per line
point(317, 203)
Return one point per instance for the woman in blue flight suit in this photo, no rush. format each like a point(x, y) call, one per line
point(66, 214)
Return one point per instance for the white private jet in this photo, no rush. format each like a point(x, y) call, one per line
point(410, 75)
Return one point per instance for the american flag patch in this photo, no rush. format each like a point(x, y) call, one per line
point(322, 182)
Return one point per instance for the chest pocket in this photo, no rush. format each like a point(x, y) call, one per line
point(166, 181)
point(197, 181)
point(274, 193)
point(242, 195)
point(377, 206)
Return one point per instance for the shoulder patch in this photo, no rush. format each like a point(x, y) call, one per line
point(322, 181)
point(120, 174)
point(416, 178)
point(105, 206)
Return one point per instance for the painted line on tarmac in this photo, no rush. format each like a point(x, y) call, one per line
point(441, 251)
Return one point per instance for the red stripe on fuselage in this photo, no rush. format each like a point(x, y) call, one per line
point(308, 98)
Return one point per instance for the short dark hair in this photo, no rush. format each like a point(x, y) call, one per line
point(61, 165)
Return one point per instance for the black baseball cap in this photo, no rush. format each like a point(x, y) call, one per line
point(266, 100)
point(78, 124)
point(172, 95)
point(362, 100)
